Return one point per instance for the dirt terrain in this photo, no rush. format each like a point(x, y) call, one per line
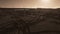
point(39, 21)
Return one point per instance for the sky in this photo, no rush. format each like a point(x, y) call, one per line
point(30, 3)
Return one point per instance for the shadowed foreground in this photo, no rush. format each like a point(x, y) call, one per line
point(29, 21)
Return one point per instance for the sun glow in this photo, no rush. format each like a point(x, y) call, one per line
point(45, 1)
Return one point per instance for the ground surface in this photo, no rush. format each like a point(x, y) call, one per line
point(40, 22)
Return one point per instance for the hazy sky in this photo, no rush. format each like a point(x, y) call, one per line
point(30, 3)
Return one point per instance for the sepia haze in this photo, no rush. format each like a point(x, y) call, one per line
point(29, 3)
